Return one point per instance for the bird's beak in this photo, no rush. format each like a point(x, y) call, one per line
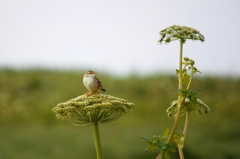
point(95, 73)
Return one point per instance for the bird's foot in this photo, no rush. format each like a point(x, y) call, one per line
point(96, 92)
point(92, 92)
point(88, 93)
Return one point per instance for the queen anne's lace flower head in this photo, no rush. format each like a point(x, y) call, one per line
point(91, 109)
point(177, 32)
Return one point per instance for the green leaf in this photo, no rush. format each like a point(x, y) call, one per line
point(146, 138)
point(193, 100)
point(164, 146)
point(166, 155)
point(183, 92)
point(154, 142)
point(184, 71)
point(196, 70)
point(144, 150)
point(155, 138)
point(186, 63)
point(166, 132)
point(153, 147)
point(158, 142)
point(171, 149)
point(179, 140)
point(185, 79)
point(177, 71)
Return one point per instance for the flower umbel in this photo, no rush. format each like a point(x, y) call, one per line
point(177, 32)
point(100, 108)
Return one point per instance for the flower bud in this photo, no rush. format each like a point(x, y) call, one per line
point(186, 59)
point(192, 62)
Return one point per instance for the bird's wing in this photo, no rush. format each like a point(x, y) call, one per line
point(99, 83)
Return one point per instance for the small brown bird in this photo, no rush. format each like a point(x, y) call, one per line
point(92, 83)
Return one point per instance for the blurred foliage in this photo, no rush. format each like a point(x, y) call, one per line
point(29, 130)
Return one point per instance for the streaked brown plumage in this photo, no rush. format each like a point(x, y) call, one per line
point(92, 83)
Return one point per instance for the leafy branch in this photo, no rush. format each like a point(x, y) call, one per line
point(159, 143)
point(187, 100)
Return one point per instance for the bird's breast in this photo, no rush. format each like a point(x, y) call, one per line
point(90, 83)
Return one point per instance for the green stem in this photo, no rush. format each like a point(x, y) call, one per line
point(180, 151)
point(97, 140)
point(190, 80)
point(180, 65)
point(186, 125)
point(181, 100)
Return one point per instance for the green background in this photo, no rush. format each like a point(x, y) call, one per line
point(29, 130)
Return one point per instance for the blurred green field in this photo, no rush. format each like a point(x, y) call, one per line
point(29, 130)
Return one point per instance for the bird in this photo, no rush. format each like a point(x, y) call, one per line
point(92, 83)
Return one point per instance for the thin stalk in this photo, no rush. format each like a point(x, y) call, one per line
point(180, 66)
point(181, 100)
point(186, 125)
point(180, 150)
point(97, 140)
point(190, 80)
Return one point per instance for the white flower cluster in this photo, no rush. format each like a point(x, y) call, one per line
point(177, 32)
point(90, 109)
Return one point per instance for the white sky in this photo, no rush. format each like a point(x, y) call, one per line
point(118, 36)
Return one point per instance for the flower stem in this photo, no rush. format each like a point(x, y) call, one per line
point(190, 80)
point(180, 150)
point(180, 66)
point(186, 125)
point(181, 100)
point(97, 140)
